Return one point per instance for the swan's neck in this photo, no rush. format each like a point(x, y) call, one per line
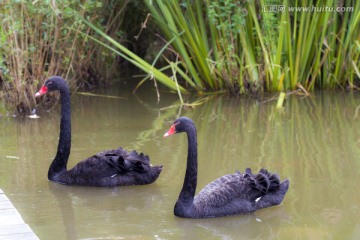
point(189, 187)
point(59, 163)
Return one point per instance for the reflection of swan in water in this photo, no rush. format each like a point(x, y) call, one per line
point(258, 225)
point(102, 208)
point(66, 210)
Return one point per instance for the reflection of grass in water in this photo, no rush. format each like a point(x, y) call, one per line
point(150, 134)
point(289, 130)
point(164, 115)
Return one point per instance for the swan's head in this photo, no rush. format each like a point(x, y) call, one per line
point(52, 84)
point(182, 124)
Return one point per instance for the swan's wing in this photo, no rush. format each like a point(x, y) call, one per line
point(112, 168)
point(224, 190)
point(112, 162)
point(233, 187)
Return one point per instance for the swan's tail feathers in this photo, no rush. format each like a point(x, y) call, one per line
point(274, 182)
point(137, 166)
point(272, 191)
point(134, 161)
point(273, 178)
point(134, 156)
point(274, 198)
point(258, 181)
point(124, 161)
point(264, 181)
point(138, 162)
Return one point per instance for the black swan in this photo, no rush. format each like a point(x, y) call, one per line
point(105, 169)
point(228, 195)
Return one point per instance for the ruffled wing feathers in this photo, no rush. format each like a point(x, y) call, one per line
point(238, 186)
point(122, 161)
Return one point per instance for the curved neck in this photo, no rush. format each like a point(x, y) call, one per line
point(63, 151)
point(189, 187)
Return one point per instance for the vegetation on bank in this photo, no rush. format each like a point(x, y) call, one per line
point(40, 39)
point(216, 45)
point(242, 46)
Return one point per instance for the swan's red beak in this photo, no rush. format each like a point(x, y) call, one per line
point(171, 131)
point(42, 91)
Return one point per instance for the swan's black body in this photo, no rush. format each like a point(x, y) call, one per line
point(228, 195)
point(106, 169)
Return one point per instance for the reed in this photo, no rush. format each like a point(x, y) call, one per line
point(240, 47)
point(261, 45)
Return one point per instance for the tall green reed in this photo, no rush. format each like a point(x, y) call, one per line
point(254, 45)
point(312, 43)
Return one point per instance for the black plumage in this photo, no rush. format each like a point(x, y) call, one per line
point(228, 195)
point(109, 168)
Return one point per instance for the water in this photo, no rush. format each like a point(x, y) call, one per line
point(313, 141)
